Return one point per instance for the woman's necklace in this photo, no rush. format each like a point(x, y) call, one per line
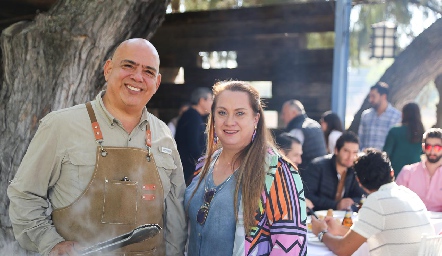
point(219, 187)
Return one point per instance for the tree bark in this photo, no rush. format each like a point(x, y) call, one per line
point(54, 62)
point(415, 67)
point(438, 83)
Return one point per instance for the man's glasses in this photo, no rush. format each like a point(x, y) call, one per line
point(436, 148)
point(204, 209)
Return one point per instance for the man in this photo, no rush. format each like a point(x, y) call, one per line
point(174, 121)
point(306, 130)
point(104, 168)
point(391, 220)
point(377, 121)
point(190, 136)
point(290, 147)
point(330, 180)
point(425, 177)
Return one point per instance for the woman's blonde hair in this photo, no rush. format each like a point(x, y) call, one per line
point(252, 170)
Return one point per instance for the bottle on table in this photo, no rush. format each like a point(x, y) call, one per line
point(361, 202)
point(347, 221)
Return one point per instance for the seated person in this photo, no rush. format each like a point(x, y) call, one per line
point(425, 177)
point(330, 180)
point(391, 220)
point(291, 148)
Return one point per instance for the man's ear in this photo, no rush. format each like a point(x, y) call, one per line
point(158, 80)
point(107, 69)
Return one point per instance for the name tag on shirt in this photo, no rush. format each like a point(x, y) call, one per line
point(166, 150)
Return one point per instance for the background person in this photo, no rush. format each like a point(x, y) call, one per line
point(391, 220)
point(174, 121)
point(190, 137)
point(236, 198)
point(331, 125)
point(291, 148)
point(330, 180)
point(403, 144)
point(66, 168)
point(377, 120)
point(425, 177)
point(306, 130)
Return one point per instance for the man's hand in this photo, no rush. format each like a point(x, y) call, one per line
point(309, 203)
point(318, 225)
point(65, 248)
point(334, 227)
point(345, 203)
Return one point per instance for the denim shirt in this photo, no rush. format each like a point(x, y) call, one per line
point(216, 236)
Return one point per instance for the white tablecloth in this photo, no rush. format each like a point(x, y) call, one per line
point(319, 249)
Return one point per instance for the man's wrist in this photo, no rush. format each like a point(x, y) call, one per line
point(321, 234)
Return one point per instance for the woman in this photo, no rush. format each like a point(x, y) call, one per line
point(246, 199)
point(332, 127)
point(404, 143)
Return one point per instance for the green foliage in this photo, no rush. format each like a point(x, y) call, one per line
point(396, 11)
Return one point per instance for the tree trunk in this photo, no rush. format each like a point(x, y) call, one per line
point(415, 67)
point(54, 62)
point(438, 82)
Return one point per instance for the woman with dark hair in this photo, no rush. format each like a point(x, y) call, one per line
point(332, 127)
point(403, 143)
point(245, 199)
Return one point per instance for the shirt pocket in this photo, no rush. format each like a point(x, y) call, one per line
point(165, 165)
point(80, 167)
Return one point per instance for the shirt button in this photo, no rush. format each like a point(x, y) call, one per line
point(130, 139)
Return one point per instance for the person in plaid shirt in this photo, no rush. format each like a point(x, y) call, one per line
point(377, 120)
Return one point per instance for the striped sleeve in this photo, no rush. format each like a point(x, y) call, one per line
point(286, 211)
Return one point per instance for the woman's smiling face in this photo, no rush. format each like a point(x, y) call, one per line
point(234, 119)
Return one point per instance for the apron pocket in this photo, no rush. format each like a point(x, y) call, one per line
point(120, 202)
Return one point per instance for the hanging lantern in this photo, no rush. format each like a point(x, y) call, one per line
point(383, 40)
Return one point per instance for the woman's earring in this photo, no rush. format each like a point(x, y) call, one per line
point(254, 134)
point(215, 138)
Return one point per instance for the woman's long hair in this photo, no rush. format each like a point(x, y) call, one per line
point(252, 170)
point(333, 123)
point(411, 117)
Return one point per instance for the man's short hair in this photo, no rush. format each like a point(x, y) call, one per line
point(296, 104)
point(347, 136)
point(198, 93)
point(373, 169)
point(381, 87)
point(285, 140)
point(432, 133)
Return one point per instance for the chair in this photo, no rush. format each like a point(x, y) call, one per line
point(430, 245)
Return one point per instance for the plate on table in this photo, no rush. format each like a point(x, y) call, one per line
point(434, 215)
point(336, 214)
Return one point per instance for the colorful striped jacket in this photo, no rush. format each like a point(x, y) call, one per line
point(281, 218)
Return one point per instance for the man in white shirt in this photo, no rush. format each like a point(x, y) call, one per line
point(391, 220)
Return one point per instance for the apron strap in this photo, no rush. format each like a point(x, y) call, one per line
point(99, 136)
point(95, 126)
point(148, 135)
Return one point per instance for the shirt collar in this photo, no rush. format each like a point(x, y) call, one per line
point(110, 118)
point(388, 186)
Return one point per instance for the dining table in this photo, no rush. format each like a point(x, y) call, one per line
point(316, 248)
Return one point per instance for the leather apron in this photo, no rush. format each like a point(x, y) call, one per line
point(125, 192)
